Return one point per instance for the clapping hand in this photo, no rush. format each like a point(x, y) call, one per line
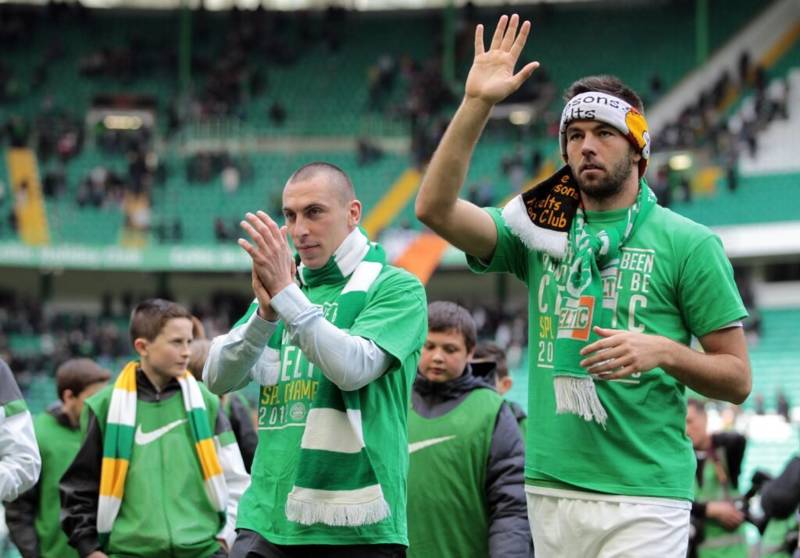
point(269, 250)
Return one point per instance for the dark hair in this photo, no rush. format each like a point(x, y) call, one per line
point(605, 84)
point(446, 316)
point(489, 352)
point(76, 374)
point(338, 178)
point(697, 404)
point(197, 358)
point(149, 317)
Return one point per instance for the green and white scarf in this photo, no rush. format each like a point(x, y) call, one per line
point(563, 234)
point(335, 482)
point(118, 447)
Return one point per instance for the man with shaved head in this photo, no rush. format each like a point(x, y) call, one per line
point(333, 338)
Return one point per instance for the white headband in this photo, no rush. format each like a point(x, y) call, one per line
point(612, 110)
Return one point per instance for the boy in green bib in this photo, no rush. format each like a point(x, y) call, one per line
point(465, 481)
point(33, 518)
point(618, 286)
point(159, 473)
point(335, 355)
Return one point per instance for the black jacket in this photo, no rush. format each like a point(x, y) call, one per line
point(509, 531)
point(21, 513)
point(781, 496)
point(732, 446)
point(80, 485)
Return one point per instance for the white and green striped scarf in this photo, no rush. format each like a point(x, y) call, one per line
point(335, 482)
point(118, 447)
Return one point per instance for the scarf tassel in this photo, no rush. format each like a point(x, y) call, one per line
point(337, 514)
point(578, 396)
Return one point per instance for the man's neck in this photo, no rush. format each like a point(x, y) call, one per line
point(625, 198)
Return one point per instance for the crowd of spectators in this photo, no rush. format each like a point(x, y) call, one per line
point(709, 122)
point(36, 338)
point(56, 334)
point(206, 166)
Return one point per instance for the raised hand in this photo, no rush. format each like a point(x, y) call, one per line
point(491, 78)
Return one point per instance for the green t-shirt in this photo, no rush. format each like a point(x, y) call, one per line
point(395, 318)
point(673, 280)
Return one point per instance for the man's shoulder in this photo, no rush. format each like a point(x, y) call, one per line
point(398, 278)
point(680, 226)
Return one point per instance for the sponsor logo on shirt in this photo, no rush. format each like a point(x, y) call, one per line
point(143, 438)
point(422, 444)
point(298, 411)
point(575, 320)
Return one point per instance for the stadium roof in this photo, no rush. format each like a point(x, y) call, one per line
point(360, 5)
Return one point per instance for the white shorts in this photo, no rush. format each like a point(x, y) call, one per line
point(572, 524)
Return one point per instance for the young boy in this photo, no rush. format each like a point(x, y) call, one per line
point(159, 472)
point(465, 479)
point(33, 517)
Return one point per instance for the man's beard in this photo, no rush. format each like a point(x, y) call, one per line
point(611, 183)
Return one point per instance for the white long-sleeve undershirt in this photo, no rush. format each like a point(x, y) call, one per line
point(349, 361)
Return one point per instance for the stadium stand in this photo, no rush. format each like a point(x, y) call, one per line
point(274, 90)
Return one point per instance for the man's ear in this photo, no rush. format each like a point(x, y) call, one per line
point(354, 213)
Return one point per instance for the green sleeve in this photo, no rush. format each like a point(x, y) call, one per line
point(510, 255)
point(708, 294)
point(395, 316)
